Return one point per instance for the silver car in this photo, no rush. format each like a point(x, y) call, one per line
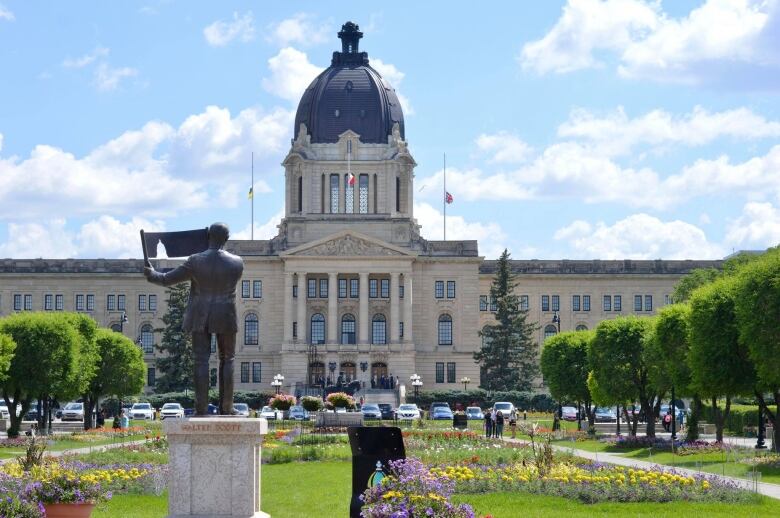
point(73, 412)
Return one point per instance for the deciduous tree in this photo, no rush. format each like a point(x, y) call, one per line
point(565, 369)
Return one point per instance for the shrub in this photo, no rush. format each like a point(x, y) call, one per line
point(282, 401)
point(311, 403)
point(740, 417)
point(341, 399)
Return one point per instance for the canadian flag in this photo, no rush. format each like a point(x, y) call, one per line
point(351, 179)
point(448, 198)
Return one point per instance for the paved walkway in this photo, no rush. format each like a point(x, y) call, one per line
point(771, 490)
point(86, 449)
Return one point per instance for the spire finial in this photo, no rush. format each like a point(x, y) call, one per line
point(350, 38)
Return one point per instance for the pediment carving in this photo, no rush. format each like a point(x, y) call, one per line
point(349, 246)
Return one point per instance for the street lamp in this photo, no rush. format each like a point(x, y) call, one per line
point(674, 417)
point(416, 383)
point(557, 320)
point(277, 383)
point(465, 380)
point(122, 322)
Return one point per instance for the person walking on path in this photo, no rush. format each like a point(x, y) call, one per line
point(493, 419)
point(499, 425)
point(513, 424)
point(488, 424)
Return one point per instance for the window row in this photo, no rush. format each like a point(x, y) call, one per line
point(345, 185)
point(256, 370)
point(379, 334)
point(252, 289)
point(349, 288)
point(450, 372)
point(84, 302)
point(578, 302)
point(438, 289)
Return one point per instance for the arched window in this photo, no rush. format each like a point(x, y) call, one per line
point(445, 330)
point(317, 329)
point(300, 194)
point(485, 338)
point(251, 329)
point(317, 373)
point(363, 194)
point(349, 195)
point(117, 328)
point(581, 327)
point(147, 338)
point(334, 194)
point(397, 194)
point(348, 329)
point(378, 329)
point(550, 330)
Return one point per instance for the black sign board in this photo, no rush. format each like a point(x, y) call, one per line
point(460, 421)
point(373, 447)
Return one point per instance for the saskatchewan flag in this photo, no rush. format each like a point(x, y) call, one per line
point(251, 192)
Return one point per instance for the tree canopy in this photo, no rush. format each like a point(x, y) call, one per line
point(565, 365)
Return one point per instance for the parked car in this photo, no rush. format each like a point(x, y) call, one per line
point(171, 410)
point(435, 405)
point(474, 413)
point(387, 411)
point(441, 413)
point(371, 411)
point(408, 411)
point(506, 408)
point(73, 412)
point(269, 413)
point(605, 415)
point(569, 413)
point(142, 411)
point(4, 413)
point(241, 409)
point(298, 413)
point(677, 410)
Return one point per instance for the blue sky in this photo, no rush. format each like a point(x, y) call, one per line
point(573, 129)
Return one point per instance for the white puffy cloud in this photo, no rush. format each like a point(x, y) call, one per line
point(106, 236)
point(638, 236)
point(49, 239)
point(757, 227)
point(302, 29)
point(615, 133)
point(291, 73)
point(86, 59)
point(220, 33)
point(504, 147)
point(265, 230)
point(6, 14)
point(492, 239)
point(108, 78)
point(394, 77)
point(650, 44)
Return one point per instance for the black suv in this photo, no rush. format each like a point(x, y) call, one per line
point(387, 411)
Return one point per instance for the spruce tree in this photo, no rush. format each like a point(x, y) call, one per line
point(175, 365)
point(508, 359)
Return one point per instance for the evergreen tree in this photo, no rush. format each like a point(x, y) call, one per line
point(176, 364)
point(508, 358)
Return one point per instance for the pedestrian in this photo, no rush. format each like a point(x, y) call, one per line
point(499, 425)
point(667, 421)
point(116, 424)
point(493, 416)
point(525, 415)
point(513, 424)
point(101, 418)
point(488, 424)
point(373, 381)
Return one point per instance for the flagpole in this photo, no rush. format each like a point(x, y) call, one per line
point(444, 197)
point(252, 187)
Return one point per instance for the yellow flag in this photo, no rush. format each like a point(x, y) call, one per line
point(251, 193)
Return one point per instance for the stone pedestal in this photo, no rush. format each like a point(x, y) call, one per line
point(215, 467)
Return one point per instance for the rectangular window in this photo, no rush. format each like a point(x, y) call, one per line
point(244, 289)
point(556, 303)
point(28, 302)
point(618, 302)
point(450, 372)
point(493, 304)
point(648, 303)
point(213, 377)
point(110, 302)
point(256, 371)
point(213, 342)
point(323, 288)
point(257, 289)
point(349, 195)
point(637, 302)
point(450, 289)
point(439, 289)
point(151, 376)
point(90, 302)
point(295, 329)
point(607, 303)
point(334, 193)
point(141, 302)
point(523, 302)
point(17, 302)
point(120, 302)
point(363, 194)
point(586, 302)
point(400, 291)
point(342, 288)
point(372, 288)
point(483, 303)
point(439, 372)
point(400, 329)
point(545, 303)
point(295, 291)
point(59, 302)
point(385, 288)
point(575, 303)
point(79, 302)
point(244, 372)
point(48, 302)
point(312, 288)
point(354, 288)
point(152, 302)
point(667, 300)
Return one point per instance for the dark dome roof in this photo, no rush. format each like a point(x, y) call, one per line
point(349, 95)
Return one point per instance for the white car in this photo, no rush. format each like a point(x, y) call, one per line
point(174, 410)
point(73, 412)
point(241, 409)
point(269, 413)
point(4, 414)
point(142, 411)
point(506, 408)
point(408, 411)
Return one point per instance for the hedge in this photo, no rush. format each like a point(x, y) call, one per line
point(740, 416)
point(483, 399)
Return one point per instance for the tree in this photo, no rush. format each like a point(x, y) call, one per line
point(77, 385)
point(757, 307)
point(696, 278)
point(621, 366)
point(565, 369)
point(46, 353)
point(508, 356)
point(720, 365)
point(176, 364)
point(119, 367)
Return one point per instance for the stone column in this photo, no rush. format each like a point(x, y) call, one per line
point(302, 323)
point(289, 317)
point(408, 308)
point(333, 307)
point(363, 318)
point(394, 316)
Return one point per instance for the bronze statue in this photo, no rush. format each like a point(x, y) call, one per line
point(213, 275)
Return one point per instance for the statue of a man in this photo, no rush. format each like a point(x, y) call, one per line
point(213, 275)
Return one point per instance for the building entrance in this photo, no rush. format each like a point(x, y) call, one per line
point(379, 376)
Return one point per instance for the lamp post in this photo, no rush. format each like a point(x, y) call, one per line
point(416, 383)
point(674, 418)
point(557, 320)
point(277, 383)
point(465, 380)
point(122, 322)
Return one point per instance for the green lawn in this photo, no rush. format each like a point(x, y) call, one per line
point(323, 489)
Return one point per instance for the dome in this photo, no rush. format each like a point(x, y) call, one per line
point(349, 95)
